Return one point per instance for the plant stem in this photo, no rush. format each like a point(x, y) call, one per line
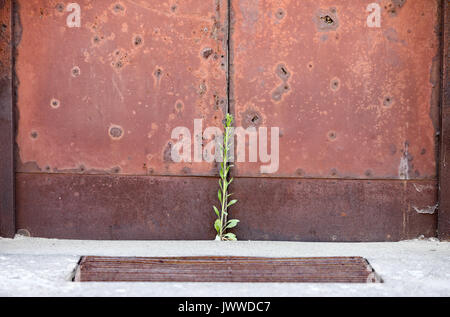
point(222, 224)
point(224, 182)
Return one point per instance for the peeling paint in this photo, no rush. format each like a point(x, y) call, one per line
point(420, 188)
point(403, 168)
point(429, 210)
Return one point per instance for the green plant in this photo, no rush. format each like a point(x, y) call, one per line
point(222, 224)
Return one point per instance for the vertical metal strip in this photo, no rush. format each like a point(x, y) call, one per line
point(444, 175)
point(7, 216)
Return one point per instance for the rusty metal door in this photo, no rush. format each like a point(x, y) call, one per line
point(353, 86)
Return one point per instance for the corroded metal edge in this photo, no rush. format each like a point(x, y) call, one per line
point(444, 175)
point(7, 217)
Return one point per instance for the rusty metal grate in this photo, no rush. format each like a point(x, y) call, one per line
point(226, 269)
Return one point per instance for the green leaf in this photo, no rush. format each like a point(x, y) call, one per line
point(216, 211)
point(232, 223)
point(231, 203)
point(230, 237)
point(217, 225)
point(219, 194)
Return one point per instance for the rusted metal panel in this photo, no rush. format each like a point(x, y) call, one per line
point(352, 101)
point(105, 96)
point(444, 201)
point(180, 208)
point(7, 222)
point(116, 207)
point(334, 210)
point(226, 269)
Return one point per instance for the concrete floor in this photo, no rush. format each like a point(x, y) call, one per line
point(43, 267)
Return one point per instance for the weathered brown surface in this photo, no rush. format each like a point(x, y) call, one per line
point(358, 103)
point(105, 97)
point(341, 210)
point(444, 202)
point(351, 101)
point(226, 269)
point(180, 208)
point(7, 226)
point(116, 207)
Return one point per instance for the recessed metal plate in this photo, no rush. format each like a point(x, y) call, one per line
point(226, 269)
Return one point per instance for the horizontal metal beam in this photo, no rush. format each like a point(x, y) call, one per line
point(180, 208)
